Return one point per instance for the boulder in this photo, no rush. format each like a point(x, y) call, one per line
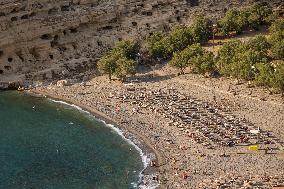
point(62, 83)
point(4, 85)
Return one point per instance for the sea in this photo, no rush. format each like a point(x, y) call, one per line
point(46, 144)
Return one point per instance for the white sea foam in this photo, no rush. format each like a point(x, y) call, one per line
point(145, 181)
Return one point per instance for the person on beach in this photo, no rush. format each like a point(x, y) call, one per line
point(153, 163)
point(184, 175)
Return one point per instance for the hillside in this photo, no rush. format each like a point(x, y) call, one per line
point(45, 39)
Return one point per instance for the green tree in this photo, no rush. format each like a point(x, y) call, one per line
point(277, 49)
point(277, 26)
point(107, 64)
point(203, 63)
point(260, 13)
point(259, 44)
point(201, 29)
point(233, 21)
point(120, 60)
point(124, 67)
point(237, 61)
point(180, 38)
point(277, 39)
point(279, 76)
point(194, 56)
point(226, 54)
point(265, 75)
point(243, 66)
point(181, 59)
point(128, 48)
point(239, 20)
point(159, 45)
point(154, 38)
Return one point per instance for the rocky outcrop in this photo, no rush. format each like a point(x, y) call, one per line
point(10, 85)
point(69, 35)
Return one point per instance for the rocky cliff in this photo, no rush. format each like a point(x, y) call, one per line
point(42, 39)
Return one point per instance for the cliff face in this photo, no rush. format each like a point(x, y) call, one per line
point(70, 35)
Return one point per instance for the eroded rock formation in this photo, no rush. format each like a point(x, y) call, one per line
point(54, 37)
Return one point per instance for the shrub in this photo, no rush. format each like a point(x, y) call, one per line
point(277, 39)
point(231, 22)
point(238, 20)
point(277, 49)
point(159, 45)
point(124, 67)
point(203, 63)
point(195, 56)
point(279, 76)
point(265, 75)
point(201, 29)
point(154, 38)
point(107, 64)
point(259, 13)
point(243, 66)
point(277, 26)
point(226, 54)
point(181, 59)
point(237, 61)
point(128, 48)
point(120, 60)
point(180, 38)
point(259, 44)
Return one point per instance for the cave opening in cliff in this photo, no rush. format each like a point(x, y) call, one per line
point(14, 18)
point(51, 56)
point(20, 55)
point(100, 43)
point(26, 16)
point(10, 59)
point(1, 71)
point(73, 30)
point(52, 11)
point(1, 52)
point(65, 8)
point(14, 10)
point(107, 28)
point(134, 23)
point(178, 18)
point(46, 36)
point(74, 46)
point(34, 52)
point(193, 3)
point(7, 67)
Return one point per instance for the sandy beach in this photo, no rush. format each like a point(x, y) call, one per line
point(200, 129)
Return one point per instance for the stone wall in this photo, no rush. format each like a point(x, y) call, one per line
point(37, 35)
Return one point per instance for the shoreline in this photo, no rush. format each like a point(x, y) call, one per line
point(184, 123)
point(144, 143)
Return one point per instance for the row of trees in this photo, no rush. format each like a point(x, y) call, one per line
point(162, 45)
point(200, 60)
point(182, 47)
point(259, 59)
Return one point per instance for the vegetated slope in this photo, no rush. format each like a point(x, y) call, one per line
point(69, 35)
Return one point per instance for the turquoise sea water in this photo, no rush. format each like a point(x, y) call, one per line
point(47, 145)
